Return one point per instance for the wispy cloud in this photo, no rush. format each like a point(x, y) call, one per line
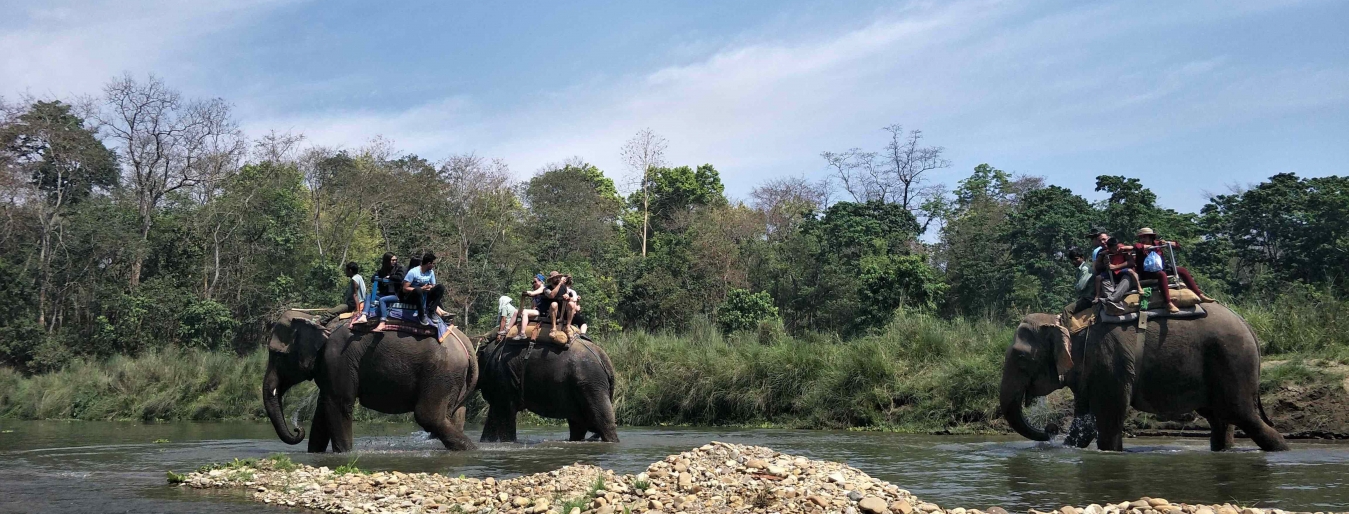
point(1021, 81)
point(66, 47)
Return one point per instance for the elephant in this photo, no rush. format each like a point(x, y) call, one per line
point(1208, 365)
point(575, 383)
point(389, 372)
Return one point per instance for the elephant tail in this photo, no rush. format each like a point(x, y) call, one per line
point(1259, 404)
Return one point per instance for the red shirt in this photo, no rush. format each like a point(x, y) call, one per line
point(1140, 254)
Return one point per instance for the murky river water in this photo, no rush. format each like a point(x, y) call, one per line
point(117, 467)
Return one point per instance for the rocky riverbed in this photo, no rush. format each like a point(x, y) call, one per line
point(714, 478)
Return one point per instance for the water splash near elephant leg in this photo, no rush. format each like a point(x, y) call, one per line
point(1081, 432)
point(305, 406)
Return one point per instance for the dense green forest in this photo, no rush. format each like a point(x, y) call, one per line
point(141, 221)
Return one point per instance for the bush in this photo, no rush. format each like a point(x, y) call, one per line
point(743, 310)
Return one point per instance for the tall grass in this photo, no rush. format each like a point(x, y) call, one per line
point(1310, 325)
point(921, 373)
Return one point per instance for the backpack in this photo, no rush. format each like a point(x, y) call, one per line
point(1153, 262)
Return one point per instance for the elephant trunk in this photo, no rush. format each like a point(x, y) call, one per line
point(1011, 398)
point(273, 388)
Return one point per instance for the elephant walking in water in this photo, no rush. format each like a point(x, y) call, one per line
point(1209, 365)
point(575, 383)
point(388, 372)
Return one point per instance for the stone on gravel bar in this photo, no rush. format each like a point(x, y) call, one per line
point(713, 478)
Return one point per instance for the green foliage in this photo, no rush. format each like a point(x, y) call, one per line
point(280, 462)
point(350, 468)
point(743, 310)
point(175, 478)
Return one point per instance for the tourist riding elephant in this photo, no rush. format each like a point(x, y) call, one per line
point(1208, 365)
point(388, 372)
point(575, 383)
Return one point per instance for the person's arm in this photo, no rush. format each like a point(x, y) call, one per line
point(1083, 279)
point(535, 292)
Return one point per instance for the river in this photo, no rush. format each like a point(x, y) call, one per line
point(54, 466)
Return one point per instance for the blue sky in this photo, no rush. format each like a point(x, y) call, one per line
point(1191, 97)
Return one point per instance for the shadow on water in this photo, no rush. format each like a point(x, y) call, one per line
point(117, 467)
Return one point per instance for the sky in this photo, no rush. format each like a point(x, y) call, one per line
point(1194, 98)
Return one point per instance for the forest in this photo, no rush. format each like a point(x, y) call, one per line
point(141, 221)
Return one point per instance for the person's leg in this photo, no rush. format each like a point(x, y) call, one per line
point(1125, 286)
point(524, 321)
point(433, 302)
point(1189, 282)
point(552, 315)
point(384, 302)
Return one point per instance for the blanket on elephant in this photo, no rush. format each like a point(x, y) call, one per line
point(535, 332)
point(1184, 299)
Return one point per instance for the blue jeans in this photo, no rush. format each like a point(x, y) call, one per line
point(384, 302)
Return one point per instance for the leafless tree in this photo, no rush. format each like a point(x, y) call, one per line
point(643, 154)
point(906, 161)
point(785, 202)
point(479, 204)
point(898, 174)
point(277, 147)
point(859, 174)
point(166, 143)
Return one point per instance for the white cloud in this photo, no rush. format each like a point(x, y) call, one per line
point(977, 75)
point(982, 77)
point(71, 48)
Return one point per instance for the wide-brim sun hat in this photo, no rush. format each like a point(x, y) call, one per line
point(1145, 231)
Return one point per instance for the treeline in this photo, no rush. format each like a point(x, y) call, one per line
point(142, 220)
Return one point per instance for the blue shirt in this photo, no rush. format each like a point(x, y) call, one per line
point(417, 278)
point(1094, 252)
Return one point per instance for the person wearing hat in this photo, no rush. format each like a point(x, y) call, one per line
point(1148, 243)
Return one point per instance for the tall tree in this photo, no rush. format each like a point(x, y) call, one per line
point(166, 143)
point(643, 154)
point(898, 174)
point(64, 161)
point(574, 209)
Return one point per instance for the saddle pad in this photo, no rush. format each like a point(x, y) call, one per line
point(533, 332)
point(1182, 297)
point(1195, 311)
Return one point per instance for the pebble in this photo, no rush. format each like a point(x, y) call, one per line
point(716, 477)
point(872, 505)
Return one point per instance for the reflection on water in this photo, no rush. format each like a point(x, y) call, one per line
point(109, 467)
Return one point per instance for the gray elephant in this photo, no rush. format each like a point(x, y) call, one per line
point(387, 372)
point(575, 383)
point(1208, 365)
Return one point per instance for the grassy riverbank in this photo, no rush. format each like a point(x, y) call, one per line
point(921, 374)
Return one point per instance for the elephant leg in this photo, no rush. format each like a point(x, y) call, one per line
point(1264, 435)
point(1110, 412)
point(500, 425)
point(599, 412)
point(578, 428)
point(318, 429)
point(338, 413)
point(1083, 430)
point(459, 417)
point(1221, 434)
point(432, 413)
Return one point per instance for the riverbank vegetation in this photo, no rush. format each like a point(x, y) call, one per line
point(139, 264)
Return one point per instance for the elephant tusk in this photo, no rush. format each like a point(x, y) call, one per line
point(273, 392)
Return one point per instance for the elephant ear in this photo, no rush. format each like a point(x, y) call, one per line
point(281, 336)
point(1057, 336)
